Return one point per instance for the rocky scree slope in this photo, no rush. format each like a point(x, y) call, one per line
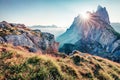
point(33, 40)
point(94, 35)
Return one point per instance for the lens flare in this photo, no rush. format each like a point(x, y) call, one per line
point(85, 16)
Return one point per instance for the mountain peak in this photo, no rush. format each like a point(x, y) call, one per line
point(99, 7)
point(103, 14)
point(92, 35)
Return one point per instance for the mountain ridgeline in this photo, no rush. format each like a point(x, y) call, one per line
point(94, 35)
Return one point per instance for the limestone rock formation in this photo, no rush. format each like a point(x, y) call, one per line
point(34, 40)
point(94, 35)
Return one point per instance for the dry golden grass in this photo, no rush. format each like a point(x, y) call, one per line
point(18, 63)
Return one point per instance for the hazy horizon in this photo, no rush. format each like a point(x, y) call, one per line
point(49, 12)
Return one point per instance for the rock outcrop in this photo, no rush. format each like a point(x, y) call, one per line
point(94, 35)
point(34, 40)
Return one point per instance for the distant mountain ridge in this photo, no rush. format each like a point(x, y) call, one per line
point(51, 29)
point(41, 26)
point(116, 26)
point(95, 36)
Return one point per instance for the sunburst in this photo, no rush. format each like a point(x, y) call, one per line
point(85, 16)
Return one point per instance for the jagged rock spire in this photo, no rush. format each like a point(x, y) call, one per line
point(102, 12)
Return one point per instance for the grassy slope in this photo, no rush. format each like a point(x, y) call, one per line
point(16, 63)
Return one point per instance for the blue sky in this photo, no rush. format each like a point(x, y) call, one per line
point(48, 12)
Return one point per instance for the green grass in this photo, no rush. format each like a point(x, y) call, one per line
point(24, 66)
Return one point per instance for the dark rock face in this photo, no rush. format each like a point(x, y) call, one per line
point(34, 40)
point(67, 48)
point(95, 36)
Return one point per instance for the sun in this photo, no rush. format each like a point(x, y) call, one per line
point(85, 16)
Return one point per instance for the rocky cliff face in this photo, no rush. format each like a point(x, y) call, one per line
point(94, 35)
point(103, 14)
point(33, 40)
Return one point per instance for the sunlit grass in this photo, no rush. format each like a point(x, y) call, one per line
point(19, 64)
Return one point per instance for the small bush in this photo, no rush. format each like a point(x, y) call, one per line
point(69, 70)
point(55, 73)
point(33, 60)
point(54, 70)
point(87, 75)
point(40, 74)
point(76, 59)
